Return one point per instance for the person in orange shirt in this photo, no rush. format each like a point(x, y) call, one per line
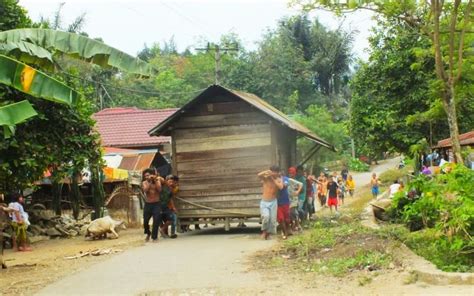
point(322, 184)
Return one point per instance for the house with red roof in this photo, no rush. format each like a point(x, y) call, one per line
point(466, 139)
point(126, 142)
point(127, 128)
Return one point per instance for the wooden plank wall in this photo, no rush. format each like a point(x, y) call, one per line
point(284, 142)
point(219, 148)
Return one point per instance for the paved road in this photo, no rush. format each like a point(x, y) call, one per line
point(206, 259)
point(362, 179)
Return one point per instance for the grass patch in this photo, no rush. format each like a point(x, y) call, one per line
point(389, 176)
point(364, 280)
point(277, 262)
point(337, 247)
point(365, 260)
point(411, 278)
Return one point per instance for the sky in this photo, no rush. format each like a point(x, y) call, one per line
point(129, 25)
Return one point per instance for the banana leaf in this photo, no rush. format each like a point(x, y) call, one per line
point(77, 46)
point(28, 53)
point(33, 82)
point(13, 114)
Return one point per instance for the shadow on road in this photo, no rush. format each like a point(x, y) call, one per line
point(252, 228)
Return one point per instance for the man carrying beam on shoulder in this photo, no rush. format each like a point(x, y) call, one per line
point(271, 185)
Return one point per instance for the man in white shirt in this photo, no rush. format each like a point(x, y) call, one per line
point(394, 188)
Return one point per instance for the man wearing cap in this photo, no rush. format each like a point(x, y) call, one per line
point(271, 184)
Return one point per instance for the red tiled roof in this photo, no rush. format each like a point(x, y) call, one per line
point(128, 127)
point(464, 139)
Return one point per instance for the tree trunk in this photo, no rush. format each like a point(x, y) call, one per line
point(57, 188)
point(75, 194)
point(449, 104)
point(98, 195)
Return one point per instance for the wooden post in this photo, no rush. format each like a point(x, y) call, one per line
point(311, 153)
point(227, 224)
point(174, 168)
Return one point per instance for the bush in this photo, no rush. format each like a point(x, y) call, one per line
point(357, 165)
point(389, 176)
point(444, 207)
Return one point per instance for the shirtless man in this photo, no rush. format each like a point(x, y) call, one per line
point(151, 186)
point(272, 183)
point(374, 183)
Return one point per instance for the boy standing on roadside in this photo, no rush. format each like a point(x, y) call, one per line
point(350, 184)
point(271, 185)
point(332, 198)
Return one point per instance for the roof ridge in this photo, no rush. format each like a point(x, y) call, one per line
point(136, 111)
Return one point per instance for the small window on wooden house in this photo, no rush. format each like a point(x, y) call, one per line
point(210, 107)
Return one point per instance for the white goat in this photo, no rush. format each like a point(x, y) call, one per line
point(100, 227)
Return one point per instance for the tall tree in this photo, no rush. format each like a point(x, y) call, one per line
point(392, 86)
point(446, 23)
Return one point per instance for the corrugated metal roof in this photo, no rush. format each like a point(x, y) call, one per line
point(252, 100)
point(144, 161)
point(464, 140)
point(129, 162)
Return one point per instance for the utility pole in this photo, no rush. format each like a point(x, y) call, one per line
point(217, 57)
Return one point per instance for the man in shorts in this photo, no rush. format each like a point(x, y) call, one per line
point(283, 215)
point(294, 190)
point(271, 185)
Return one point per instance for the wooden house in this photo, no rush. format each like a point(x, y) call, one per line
point(220, 141)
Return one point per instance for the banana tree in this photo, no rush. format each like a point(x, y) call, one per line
point(23, 50)
point(39, 47)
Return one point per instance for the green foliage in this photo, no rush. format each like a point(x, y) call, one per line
point(357, 165)
point(34, 82)
point(334, 247)
point(319, 120)
point(76, 46)
point(61, 138)
point(444, 207)
point(13, 15)
point(391, 175)
point(441, 44)
point(386, 92)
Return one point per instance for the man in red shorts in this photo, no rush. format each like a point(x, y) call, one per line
point(283, 214)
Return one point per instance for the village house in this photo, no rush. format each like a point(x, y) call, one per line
point(125, 139)
point(220, 141)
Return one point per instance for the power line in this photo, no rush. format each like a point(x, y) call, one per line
point(217, 57)
point(132, 90)
point(177, 12)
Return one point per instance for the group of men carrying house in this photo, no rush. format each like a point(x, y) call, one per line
point(159, 204)
point(289, 200)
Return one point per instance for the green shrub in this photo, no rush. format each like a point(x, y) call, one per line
point(443, 206)
point(356, 165)
point(389, 176)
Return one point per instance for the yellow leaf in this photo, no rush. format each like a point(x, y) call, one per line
point(27, 76)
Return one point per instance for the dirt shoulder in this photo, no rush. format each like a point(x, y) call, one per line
point(30, 271)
